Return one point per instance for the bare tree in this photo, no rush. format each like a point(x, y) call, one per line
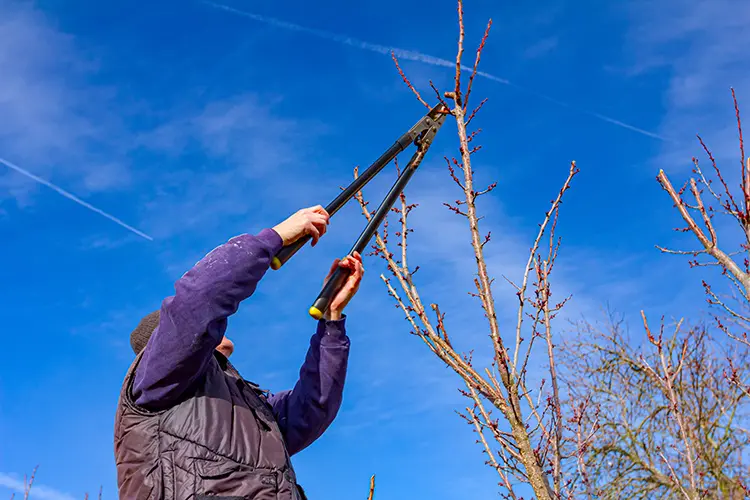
point(712, 196)
point(526, 443)
point(670, 423)
point(672, 412)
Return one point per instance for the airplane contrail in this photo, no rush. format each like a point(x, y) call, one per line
point(74, 198)
point(423, 58)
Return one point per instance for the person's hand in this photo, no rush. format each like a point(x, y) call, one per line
point(312, 221)
point(353, 263)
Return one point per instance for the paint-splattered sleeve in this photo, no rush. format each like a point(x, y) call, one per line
point(193, 321)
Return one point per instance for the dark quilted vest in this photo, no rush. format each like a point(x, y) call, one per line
point(220, 442)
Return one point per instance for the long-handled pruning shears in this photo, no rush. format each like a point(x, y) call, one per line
point(421, 135)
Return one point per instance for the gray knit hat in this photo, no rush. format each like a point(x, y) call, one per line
point(141, 334)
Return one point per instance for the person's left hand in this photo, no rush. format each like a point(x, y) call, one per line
point(354, 264)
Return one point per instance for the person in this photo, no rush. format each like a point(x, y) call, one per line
point(188, 425)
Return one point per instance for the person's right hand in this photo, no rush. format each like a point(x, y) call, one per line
point(312, 221)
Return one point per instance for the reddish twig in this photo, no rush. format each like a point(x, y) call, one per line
point(459, 54)
point(709, 243)
point(407, 82)
point(27, 484)
point(745, 172)
point(474, 113)
point(476, 65)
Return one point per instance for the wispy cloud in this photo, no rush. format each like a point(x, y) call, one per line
point(39, 491)
point(423, 58)
point(242, 129)
point(541, 47)
point(42, 114)
point(701, 45)
point(54, 117)
point(73, 198)
point(246, 142)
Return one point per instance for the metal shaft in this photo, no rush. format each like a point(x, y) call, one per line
point(347, 194)
point(321, 304)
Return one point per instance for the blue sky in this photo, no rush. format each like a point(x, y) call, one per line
point(193, 124)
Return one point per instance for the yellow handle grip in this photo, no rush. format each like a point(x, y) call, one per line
point(315, 312)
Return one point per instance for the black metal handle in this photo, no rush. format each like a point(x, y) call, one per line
point(287, 252)
point(347, 194)
point(434, 116)
point(332, 286)
point(321, 304)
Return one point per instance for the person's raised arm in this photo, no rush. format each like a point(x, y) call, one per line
point(306, 411)
point(192, 322)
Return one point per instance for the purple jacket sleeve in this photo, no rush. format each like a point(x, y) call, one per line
point(193, 321)
point(306, 411)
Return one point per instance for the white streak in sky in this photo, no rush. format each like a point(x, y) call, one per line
point(39, 491)
point(74, 198)
point(423, 58)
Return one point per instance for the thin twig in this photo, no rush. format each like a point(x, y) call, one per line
point(476, 65)
point(407, 82)
point(372, 488)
